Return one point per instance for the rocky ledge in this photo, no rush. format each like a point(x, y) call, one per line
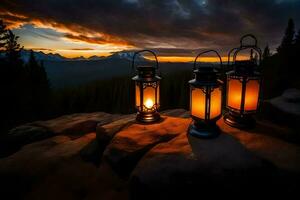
point(104, 156)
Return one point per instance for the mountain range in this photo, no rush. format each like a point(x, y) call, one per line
point(41, 56)
point(69, 72)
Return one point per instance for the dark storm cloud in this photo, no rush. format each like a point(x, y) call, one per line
point(166, 24)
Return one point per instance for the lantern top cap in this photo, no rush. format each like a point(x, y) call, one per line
point(146, 73)
point(205, 72)
point(205, 76)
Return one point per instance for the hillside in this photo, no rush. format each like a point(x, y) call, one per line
point(73, 73)
point(69, 72)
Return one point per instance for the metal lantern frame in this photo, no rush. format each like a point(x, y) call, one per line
point(242, 118)
point(146, 77)
point(206, 79)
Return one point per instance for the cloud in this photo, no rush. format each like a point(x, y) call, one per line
point(41, 49)
point(82, 49)
point(166, 24)
point(103, 39)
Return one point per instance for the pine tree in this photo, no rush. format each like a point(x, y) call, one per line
point(15, 83)
point(286, 57)
point(3, 36)
point(13, 49)
point(288, 38)
point(297, 41)
point(39, 86)
point(266, 53)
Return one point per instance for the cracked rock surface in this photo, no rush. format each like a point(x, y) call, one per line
point(104, 156)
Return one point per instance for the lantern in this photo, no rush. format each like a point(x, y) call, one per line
point(243, 86)
point(205, 100)
point(146, 91)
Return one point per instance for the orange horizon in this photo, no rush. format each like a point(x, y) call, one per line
point(175, 59)
point(192, 59)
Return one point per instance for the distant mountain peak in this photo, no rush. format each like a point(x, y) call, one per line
point(128, 55)
point(41, 56)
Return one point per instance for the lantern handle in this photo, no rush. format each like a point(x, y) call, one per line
point(247, 36)
point(255, 48)
point(234, 50)
point(208, 51)
point(141, 51)
point(229, 54)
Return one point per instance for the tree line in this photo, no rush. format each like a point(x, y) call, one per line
point(25, 89)
point(280, 70)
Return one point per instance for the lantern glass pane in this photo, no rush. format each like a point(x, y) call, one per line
point(215, 103)
point(137, 95)
point(234, 95)
point(149, 97)
point(198, 103)
point(252, 95)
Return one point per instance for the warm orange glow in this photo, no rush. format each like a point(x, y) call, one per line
point(198, 103)
point(149, 103)
point(158, 96)
point(234, 95)
point(252, 94)
point(149, 97)
point(191, 58)
point(215, 103)
point(137, 95)
point(77, 53)
point(198, 107)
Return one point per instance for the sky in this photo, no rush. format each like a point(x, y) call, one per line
point(175, 29)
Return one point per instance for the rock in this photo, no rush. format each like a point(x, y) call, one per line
point(74, 125)
point(284, 155)
point(125, 159)
point(188, 166)
point(292, 95)
point(92, 152)
point(130, 144)
point(19, 136)
point(176, 113)
point(284, 109)
point(37, 161)
point(53, 169)
point(77, 124)
point(27, 134)
point(289, 102)
point(104, 133)
point(278, 130)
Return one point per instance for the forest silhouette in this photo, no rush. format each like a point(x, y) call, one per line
point(27, 95)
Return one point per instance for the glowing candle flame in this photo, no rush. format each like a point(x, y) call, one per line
point(149, 103)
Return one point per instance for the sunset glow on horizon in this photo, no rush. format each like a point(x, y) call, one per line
point(102, 28)
point(192, 58)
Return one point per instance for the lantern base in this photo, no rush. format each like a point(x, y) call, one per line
point(147, 117)
point(204, 130)
point(241, 122)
